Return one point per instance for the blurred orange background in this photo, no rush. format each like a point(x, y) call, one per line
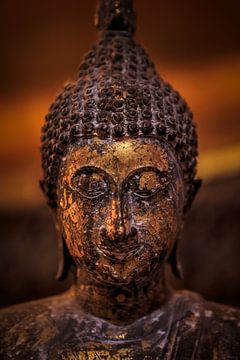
point(195, 46)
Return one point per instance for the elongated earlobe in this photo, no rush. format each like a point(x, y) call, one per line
point(65, 262)
point(196, 184)
point(175, 263)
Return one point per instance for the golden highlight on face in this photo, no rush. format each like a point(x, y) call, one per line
point(120, 207)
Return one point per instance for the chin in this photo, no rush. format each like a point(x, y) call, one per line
point(127, 272)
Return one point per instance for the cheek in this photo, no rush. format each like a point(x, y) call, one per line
point(157, 221)
point(81, 222)
point(73, 223)
point(165, 223)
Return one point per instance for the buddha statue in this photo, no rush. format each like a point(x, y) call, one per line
point(119, 150)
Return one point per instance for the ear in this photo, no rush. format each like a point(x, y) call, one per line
point(175, 263)
point(196, 184)
point(64, 264)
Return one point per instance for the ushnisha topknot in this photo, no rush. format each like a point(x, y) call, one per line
point(117, 94)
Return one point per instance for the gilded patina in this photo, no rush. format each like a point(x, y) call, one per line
point(119, 148)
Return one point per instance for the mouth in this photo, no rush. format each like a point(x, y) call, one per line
point(123, 255)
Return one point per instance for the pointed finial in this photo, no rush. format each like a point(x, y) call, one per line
point(116, 15)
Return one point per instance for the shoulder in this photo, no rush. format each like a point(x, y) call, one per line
point(210, 312)
point(27, 312)
point(214, 329)
point(25, 328)
point(223, 324)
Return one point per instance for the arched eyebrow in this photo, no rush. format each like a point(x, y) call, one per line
point(125, 180)
point(98, 170)
point(145, 168)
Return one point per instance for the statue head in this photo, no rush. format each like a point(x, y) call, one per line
point(119, 149)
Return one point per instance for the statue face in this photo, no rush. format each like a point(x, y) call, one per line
point(120, 207)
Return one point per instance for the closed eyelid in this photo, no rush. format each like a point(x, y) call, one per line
point(161, 178)
point(120, 185)
point(145, 169)
point(96, 170)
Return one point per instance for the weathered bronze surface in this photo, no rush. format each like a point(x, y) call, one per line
point(119, 151)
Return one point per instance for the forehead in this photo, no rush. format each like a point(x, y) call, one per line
point(118, 158)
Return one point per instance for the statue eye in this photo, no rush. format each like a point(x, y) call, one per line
point(90, 182)
point(146, 183)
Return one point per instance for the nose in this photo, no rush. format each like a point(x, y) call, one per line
point(114, 224)
point(117, 227)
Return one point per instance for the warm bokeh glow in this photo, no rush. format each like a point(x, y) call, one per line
point(206, 76)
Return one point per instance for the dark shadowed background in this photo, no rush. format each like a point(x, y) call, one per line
point(195, 46)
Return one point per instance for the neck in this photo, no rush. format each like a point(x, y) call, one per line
point(120, 304)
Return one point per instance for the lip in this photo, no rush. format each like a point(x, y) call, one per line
point(124, 254)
